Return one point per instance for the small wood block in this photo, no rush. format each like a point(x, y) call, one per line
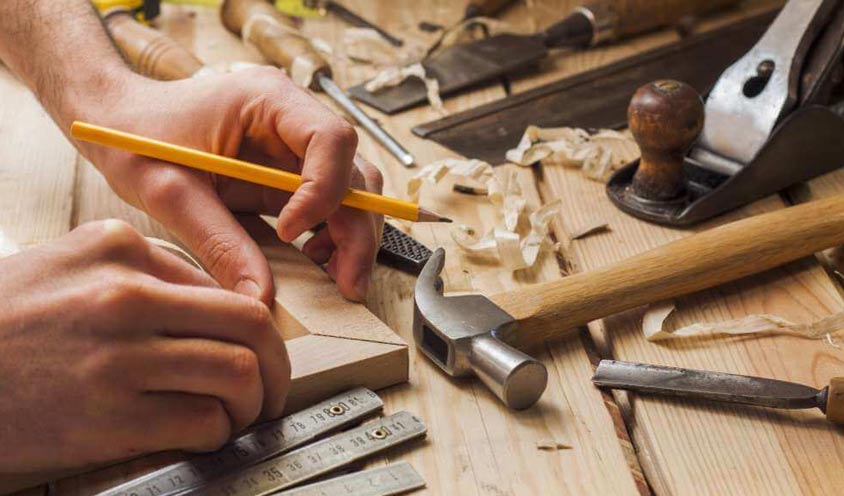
point(835, 401)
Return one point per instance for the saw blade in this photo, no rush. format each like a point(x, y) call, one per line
point(699, 384)
point(264, 441)
point(382, 481)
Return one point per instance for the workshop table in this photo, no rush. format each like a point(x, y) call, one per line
point(610, 443)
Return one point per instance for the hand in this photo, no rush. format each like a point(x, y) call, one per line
point(113, 347)
point(258, 115)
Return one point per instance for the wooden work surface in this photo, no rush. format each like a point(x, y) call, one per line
point(474, 445)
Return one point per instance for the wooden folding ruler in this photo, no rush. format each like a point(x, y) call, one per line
point(278, 455)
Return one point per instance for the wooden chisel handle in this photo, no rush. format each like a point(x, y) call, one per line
point(835, 400)
point(700, 261)
point(614, 19)
point(276, 37)
point(485, 8)
point(150, 52)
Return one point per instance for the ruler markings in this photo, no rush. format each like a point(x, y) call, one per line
point(382, 481)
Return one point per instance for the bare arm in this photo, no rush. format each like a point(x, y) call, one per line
point(62, 52)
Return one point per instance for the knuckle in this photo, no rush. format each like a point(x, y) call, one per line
point(116, 292)
point(163, 186)
point(102, 366)
point(118, 238)
point(210, 425)
point(342, 133)
point(243, 366)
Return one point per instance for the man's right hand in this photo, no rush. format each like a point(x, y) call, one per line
point(112, 347)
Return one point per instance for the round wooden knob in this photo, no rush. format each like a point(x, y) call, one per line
point(665, 118)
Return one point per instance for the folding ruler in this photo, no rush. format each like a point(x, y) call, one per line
point(280, 454)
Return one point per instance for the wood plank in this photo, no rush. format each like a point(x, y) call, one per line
point(476, 446)
point(703, 448)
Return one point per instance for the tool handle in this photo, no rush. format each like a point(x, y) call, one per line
point(615, 19)
point(835, 400)
point(697, 262)
point(276, 37)
point(150, 52)
point(485, 8)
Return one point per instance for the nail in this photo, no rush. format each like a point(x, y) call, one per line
point(248, 287)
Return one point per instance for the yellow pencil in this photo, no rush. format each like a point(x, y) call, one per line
point(245, 171)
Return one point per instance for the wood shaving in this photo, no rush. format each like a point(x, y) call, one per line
point(367, 46)
point(467, 31)
point(597, 155)
point(511, 244)
point(551, 445)
point(653, 325)
point(395, 75)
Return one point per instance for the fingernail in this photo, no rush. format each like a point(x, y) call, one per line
point(362, 286)
point(248, 287)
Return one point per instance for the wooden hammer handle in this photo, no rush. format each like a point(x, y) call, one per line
point(276, 37)
point(835, 400)
point(690, 264)
point(150, 52)
point(623, 18)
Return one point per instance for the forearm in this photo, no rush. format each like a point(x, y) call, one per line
point(63, 53)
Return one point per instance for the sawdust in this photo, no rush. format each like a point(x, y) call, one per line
point(654, 329)
point(589, 229)
point(596, 154)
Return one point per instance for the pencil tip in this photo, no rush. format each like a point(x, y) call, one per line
point(445, 219)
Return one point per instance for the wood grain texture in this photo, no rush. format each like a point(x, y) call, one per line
point(703, 260)
point(702, 448)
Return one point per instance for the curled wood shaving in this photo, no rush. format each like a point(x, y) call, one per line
point(596, 154)
point(511, 244)
point(367, 46)
point(653, 325)
point(393, 76)
point(468, 31)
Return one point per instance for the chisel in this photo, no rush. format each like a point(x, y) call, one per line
point(462, 66)
point(718, 386)
point(281, 43)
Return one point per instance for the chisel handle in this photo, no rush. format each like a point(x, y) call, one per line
point(614, 19)
point(697, 262)
point(150, 52)
point(835, 400)
point(486, 8)
point(276, 37)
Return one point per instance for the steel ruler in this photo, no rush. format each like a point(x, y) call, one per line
point(317, 459)
point(381, 481)
point(264, 441)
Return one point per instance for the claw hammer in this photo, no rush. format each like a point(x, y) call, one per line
point(475, 335)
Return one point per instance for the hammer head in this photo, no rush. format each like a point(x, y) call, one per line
point(460, 335)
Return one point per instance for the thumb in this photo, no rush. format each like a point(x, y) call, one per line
point(187, 205)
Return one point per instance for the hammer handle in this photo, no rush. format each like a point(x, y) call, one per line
point(697, 262)
point(276, 37)
point(616, 19)
point(150, 52)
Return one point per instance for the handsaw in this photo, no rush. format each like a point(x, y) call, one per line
point(718, 386)
point(597, 98)
point(463, 66)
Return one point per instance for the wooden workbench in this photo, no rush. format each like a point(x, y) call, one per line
point(619, 444)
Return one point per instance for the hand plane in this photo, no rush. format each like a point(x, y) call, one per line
point(767, 124)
